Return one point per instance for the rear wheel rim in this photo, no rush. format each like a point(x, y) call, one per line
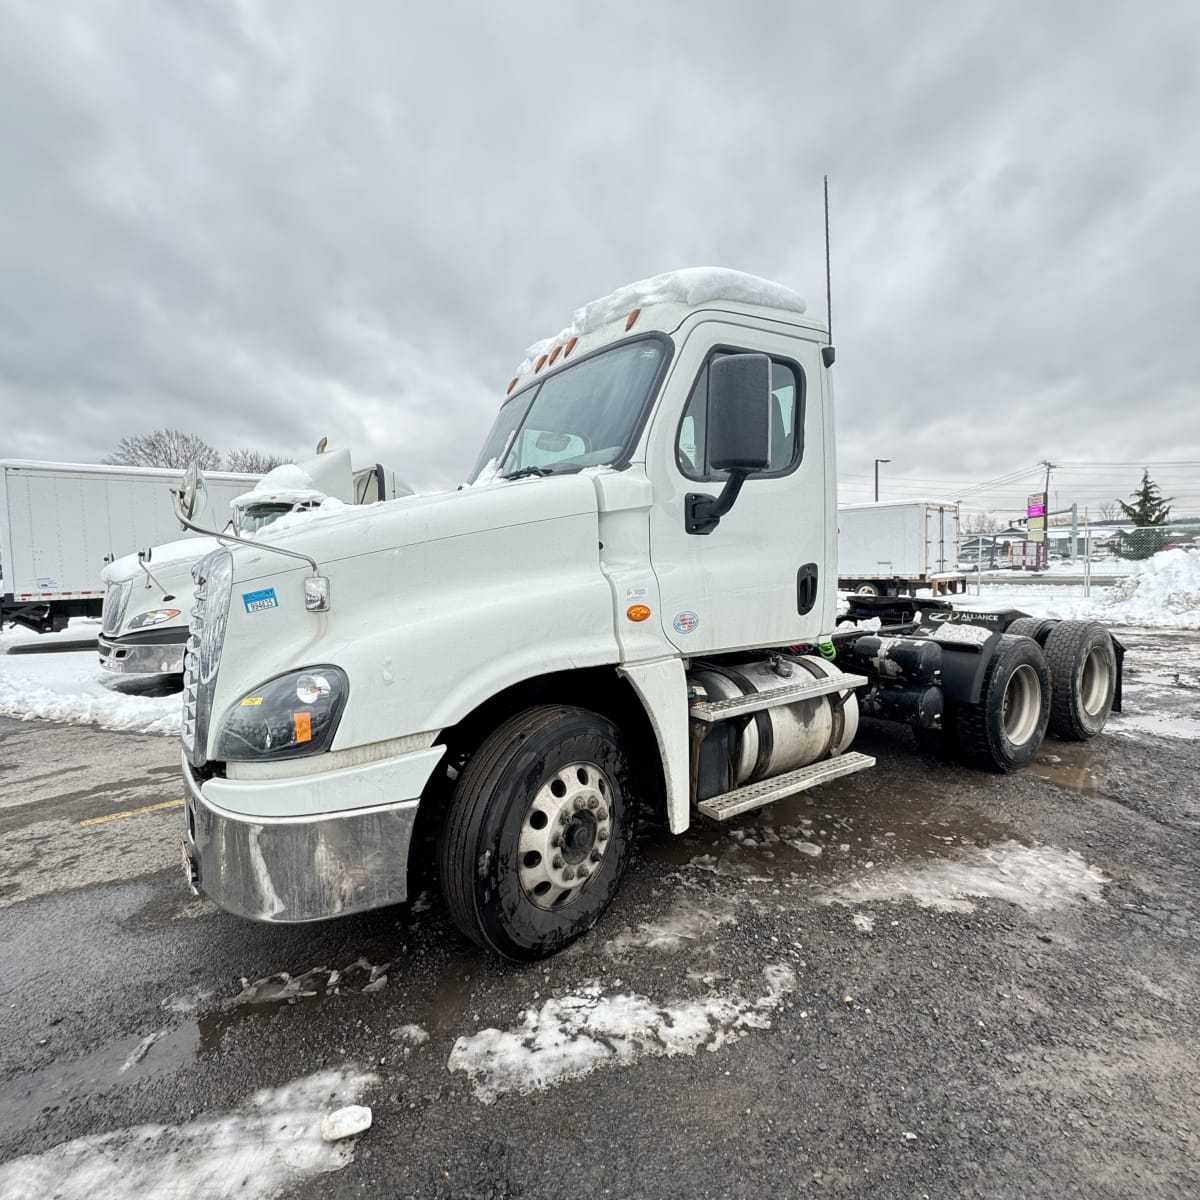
point(566, 834)
point(1022, 704)
point(1095, 681)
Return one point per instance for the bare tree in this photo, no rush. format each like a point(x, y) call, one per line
point(165, 448)
point(980, 522)
point(1108, 511)
point(253, 462)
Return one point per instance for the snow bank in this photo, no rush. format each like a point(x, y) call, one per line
point(1164, 590)
point(691, 286)
point(268, 1147)
point(573, 1035)
point(73, 688)
point(1161, 592)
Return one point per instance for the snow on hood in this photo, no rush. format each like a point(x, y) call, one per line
point(691, 286)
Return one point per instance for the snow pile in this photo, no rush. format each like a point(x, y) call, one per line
point(1032, 877)
point(268, 1147)
point(1164, 590)
point(691, 286)
point(569, 1037)
point(73, 688)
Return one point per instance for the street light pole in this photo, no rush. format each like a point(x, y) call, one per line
point(877, 462)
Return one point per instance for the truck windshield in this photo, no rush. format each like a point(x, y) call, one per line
point(258, 515)
point(583, 416)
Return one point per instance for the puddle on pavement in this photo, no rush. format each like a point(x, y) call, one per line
point(1068, 765)
point(812, 835)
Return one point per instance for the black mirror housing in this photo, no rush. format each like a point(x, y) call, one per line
point(739, 413)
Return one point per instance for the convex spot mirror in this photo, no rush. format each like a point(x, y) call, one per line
point(193, 492)
point(739, 413)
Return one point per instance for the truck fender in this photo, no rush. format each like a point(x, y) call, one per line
point(662, 688)
point(963, 669)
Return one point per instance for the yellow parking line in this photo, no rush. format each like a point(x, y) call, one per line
point(133, 812)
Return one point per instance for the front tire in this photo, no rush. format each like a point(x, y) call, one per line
point(1004, 730)
point(539, 832)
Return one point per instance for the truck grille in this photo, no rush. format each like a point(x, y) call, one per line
point(202, 654)
point(116, 601)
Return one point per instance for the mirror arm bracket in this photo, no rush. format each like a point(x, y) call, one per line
point(703, 513)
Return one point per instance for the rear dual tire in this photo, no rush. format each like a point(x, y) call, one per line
point(1083, 671)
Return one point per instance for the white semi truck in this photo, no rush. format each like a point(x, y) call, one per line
point(144, 623)
point(893, 547)
point(60, 523)
point(630, 608)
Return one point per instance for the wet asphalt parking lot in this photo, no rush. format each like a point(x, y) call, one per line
point(915, 981)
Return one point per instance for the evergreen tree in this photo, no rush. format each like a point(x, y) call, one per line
point(1149, 510)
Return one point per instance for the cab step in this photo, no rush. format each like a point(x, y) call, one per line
point(722, 710)
point(767, 791)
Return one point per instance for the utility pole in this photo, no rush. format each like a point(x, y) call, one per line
point(877, 462)
point(1044, 555)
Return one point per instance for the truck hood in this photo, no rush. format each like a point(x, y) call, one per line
point(335, 532)
point(171, 559)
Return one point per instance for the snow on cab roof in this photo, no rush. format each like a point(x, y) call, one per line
point(689, 287)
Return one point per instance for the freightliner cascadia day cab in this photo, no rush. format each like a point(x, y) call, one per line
point(629, 608)
point(144, 623)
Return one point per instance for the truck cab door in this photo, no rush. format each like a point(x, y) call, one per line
point(766, 575)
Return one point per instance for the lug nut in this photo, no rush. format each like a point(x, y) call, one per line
point(595, 856)
point(565, 819)
point(557, 863)
point(602, 835)
point(582, 871)
point(556, 841)
point(580, 804)
point(568, 873)
point(602, 815)
point(593, 802)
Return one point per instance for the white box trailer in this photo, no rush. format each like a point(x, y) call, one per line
point(895, 546)
point(60, 523)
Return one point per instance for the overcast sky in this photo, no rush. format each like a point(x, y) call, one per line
point(264, 222)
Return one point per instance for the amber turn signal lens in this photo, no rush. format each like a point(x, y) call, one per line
point(637, 612)
point(554, 354)
point(541, 362)
point(633, 316)
point(302, 723)
point(569, 347)
point(512, 385)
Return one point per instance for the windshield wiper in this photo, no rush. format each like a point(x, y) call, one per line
point(526, 471)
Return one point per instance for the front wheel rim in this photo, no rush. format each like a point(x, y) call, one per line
point(566, 833)
point(1022, 704)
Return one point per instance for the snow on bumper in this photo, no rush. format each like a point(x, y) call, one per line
point(322, 860)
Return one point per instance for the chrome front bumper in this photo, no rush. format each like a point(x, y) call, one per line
point(141, 659)
point(289, 869)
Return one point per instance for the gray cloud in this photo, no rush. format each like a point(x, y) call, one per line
point(266, 222)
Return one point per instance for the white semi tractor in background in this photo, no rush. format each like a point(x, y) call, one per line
point(60, 523)
point(896, 547)
point(631, 607)
point(144, 624)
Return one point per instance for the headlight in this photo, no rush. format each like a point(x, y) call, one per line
point(288, 717)
point(156, 616)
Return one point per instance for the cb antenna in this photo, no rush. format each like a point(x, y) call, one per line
point(828, 277)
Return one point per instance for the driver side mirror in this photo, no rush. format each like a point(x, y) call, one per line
point(739, 413)
point(739, 433)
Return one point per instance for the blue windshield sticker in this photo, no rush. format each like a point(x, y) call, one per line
point(257, 601)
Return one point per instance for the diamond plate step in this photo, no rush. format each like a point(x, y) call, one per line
point(722, 710)
point(767, 791)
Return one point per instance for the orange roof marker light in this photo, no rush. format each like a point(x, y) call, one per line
point(541, 362)
point(569, 347)
point(554, 354)
point(633, 316)
point(508, 390)
point(637, 612)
